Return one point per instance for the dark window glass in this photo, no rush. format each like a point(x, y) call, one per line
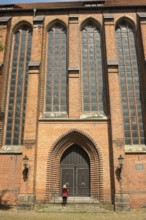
point(129, 80)
point(92, 76)
point(18, 86)
point(56, 71)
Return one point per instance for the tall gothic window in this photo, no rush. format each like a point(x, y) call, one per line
point(130, 84)
point(55, 105)
point(18, 85)
point(92, 71)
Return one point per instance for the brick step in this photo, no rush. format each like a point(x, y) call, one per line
point(76, 200)
point(102, 207)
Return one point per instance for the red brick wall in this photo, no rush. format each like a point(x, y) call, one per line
point(135, 168)
point(10, 174)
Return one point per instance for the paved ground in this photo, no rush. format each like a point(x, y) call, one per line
point(13, 214)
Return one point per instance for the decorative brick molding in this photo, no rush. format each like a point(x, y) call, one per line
point(96, 164)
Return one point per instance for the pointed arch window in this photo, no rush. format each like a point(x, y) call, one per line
point(130, 84)
point(56, 80)
point(92, 70)
point(18, 85)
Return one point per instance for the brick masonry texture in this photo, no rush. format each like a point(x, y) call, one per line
point(10, 174)
point(46, 139)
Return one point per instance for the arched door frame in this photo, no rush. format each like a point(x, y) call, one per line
point(53, 164)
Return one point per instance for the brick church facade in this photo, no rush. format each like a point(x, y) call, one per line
point(72, 101)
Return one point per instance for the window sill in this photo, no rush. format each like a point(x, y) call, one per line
point(63, 116)
point(98, 115)
point(135, 149)
point(11, 149)
point(54, 115)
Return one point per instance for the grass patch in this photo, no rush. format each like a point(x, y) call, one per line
point(31, 215)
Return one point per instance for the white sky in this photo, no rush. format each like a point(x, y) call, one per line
point(29, 1)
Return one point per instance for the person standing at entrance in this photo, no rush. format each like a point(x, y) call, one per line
point(64, 195)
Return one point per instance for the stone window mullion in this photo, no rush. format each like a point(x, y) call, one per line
point(23, 87)
point(132, 74)
point(96, 71)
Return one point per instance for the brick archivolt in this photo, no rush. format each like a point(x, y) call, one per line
point(53, 165)
point(17, 25)
point(129, 19)
point(93, 20)
point(52, 23)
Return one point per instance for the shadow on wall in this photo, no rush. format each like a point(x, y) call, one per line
point(118, 174)
point(3, 203)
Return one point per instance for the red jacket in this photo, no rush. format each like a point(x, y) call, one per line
point(64, 192)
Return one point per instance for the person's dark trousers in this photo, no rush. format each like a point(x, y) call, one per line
point(64, 201)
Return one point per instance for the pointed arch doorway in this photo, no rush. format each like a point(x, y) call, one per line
point(75, 171)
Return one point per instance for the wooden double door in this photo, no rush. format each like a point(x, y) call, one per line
point(75, 171)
